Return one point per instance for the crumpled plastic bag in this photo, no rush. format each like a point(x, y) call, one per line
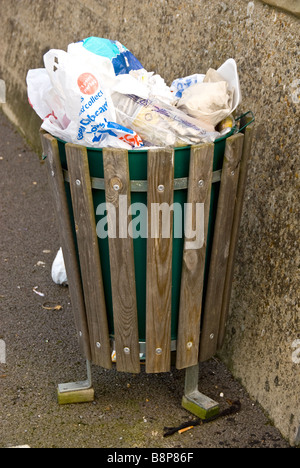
point(71, 98)
point(122, 59)
point(154, 85)
point(130, 76)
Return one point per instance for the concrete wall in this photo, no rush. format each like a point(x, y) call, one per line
point(292, 6)
point(181, 37)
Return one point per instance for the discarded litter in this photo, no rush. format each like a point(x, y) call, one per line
point(58, 271)
point(51, 306)
point(98, 94)
point(211, 97)
point(233, 408)
point(181, 431)
point(38, 292)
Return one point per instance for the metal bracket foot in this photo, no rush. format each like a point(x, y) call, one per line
point(77, 392)
point(195, 402)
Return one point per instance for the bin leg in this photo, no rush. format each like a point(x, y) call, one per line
point(77, 392)
point(195, 402)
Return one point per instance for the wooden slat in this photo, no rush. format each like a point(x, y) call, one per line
point(89, 256)
point(56, 183)
point(235, 231)
point(159, 262)
point(199, 190)
point(221, 247)
point(121, 255)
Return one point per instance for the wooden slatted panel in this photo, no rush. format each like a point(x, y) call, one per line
point(159, 261)
point(235, 231)
point(89, 256)
point(56, 183)
point(121, 255)
point(221, 247)
point(199, 190)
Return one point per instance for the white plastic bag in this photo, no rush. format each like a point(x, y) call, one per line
point(58, 271)
point(154, 86)
point(46, 102)
point(71, 98)
point(78, 80)
point(122, 60)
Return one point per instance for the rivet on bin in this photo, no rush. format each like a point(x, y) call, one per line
point(201, 183)
point(98, 344)
point(189, 345)
point(127, 350)
point(78, 183)
point(116, 184)
point(158, 351)
point(211, 336)
point(161, 188)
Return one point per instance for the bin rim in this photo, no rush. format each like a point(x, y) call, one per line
point(146, 148)
point(234, 129)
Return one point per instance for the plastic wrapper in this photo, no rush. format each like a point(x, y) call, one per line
point(160, 124)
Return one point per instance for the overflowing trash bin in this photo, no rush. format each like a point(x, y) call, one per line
point(148, 183)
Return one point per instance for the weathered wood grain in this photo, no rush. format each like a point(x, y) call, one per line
point(235, 231)
point(56, 183)
point(121, 255)
point(199, 190)
point(89, 256)
point(159, 260)
point(220, 247)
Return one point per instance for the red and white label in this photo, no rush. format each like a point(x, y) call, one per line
point(87, 83)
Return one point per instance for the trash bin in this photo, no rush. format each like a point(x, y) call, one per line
point(140, 294)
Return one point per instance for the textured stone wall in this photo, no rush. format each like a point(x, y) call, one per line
point(180, 37)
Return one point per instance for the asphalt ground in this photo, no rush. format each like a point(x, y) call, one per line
point(129, 411)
